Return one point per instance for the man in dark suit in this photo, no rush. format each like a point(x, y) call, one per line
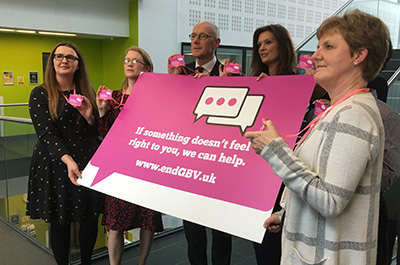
point(204, 41)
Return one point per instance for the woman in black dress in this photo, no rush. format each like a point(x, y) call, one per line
point(119, 215)
point(67, 141)
point(273, 54)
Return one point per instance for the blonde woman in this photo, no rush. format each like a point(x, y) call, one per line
point(120, 216)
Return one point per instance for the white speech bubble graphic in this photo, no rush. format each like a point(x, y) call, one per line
point(220, 101)
point(246, 117)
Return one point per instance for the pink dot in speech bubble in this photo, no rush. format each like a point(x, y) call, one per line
point(220, 101)
point(209, 101)
point(232, 102)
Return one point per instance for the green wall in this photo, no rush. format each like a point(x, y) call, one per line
point(114, 51)
point(22, 53)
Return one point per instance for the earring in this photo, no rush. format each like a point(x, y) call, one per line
point(355, 63)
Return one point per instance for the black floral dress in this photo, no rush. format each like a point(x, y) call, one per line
point(51, 195)
point(121, 215)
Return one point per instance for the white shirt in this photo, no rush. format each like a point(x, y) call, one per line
point(208, 66)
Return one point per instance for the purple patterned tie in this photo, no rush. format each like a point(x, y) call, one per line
point(199, 69)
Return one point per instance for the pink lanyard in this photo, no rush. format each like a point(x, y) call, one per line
point(315, 121)
point(122, 99)
point(65, 96)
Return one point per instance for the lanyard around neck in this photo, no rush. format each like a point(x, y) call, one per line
point(315, 121)
point(122, 98)
point(65, 96)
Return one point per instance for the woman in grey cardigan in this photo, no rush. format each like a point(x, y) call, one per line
point(333, 176)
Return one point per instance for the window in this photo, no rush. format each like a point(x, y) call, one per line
point(241, 55)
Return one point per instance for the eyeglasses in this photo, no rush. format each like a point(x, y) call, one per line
point(134, 61)
point(202, 36)
point(70, 58)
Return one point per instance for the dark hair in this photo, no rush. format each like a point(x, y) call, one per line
point(362, 30)
point(286, 50)
point(81, 80)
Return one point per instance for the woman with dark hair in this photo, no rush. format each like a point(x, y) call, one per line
point(273, 52)
point(67, 140)
point(119, 215)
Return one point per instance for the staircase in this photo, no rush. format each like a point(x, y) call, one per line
point(392, 65)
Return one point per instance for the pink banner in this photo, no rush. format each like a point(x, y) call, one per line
point(178, 146)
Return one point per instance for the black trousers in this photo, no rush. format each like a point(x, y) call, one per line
point(393, 231)
point(382, 250)
point(269, 251)
point(60, 240)
point(197, 245)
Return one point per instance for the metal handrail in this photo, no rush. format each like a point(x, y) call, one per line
point(15, 119)
point(301, 44)
point(14, 104)
point(395, 76)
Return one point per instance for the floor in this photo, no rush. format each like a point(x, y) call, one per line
point(171, 250)
point(17, 249)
